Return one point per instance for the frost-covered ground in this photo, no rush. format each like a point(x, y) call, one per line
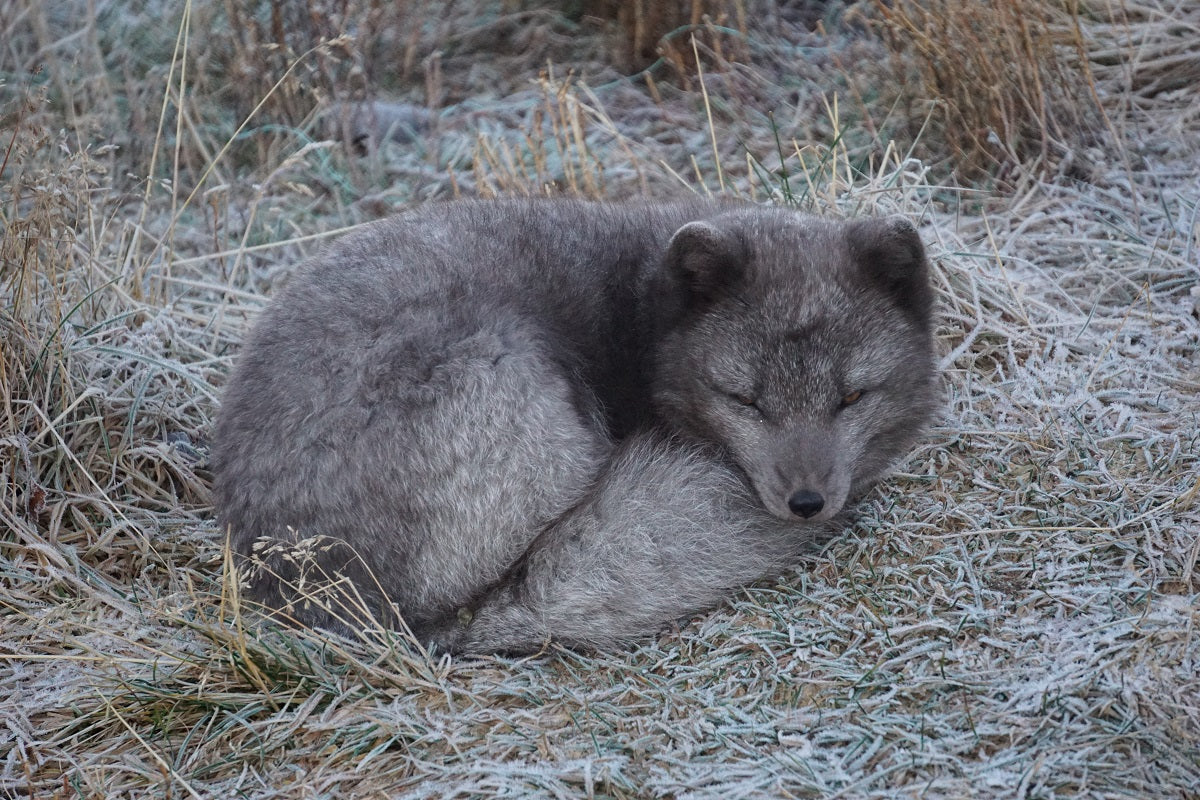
point(1012, 615)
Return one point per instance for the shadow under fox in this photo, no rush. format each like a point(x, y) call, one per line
point(503, 422)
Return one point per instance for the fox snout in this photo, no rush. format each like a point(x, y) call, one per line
point(801, 505)
point(806, 503)
point(815, 501)
point(803, 479)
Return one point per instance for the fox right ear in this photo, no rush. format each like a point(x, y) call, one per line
point(706, 259)
point(890, 254)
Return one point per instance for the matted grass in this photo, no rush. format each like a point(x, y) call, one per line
point(1012, 615)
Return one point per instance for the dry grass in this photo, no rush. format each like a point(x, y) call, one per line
point(1013, 615)
point(1008, 80)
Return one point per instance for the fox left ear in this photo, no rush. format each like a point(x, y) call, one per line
point(707, 259)
point(890, 255)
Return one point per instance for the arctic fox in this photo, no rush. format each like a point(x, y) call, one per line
point(500, 423)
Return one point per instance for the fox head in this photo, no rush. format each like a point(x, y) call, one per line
point(802, 347)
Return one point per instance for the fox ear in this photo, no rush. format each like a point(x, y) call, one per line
point(889, 253)
point(706, 259)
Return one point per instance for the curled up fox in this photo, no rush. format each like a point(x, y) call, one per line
point(498, 423)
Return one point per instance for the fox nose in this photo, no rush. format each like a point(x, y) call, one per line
point(805, 503)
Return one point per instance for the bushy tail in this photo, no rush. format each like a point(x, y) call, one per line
point(669, 529)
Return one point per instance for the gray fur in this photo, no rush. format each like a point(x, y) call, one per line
point(502, 422)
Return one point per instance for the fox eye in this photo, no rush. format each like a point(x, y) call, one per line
point(743, 398)
point(852, 398)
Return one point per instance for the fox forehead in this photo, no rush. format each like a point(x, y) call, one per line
point(821, 351)
point(801, 314)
